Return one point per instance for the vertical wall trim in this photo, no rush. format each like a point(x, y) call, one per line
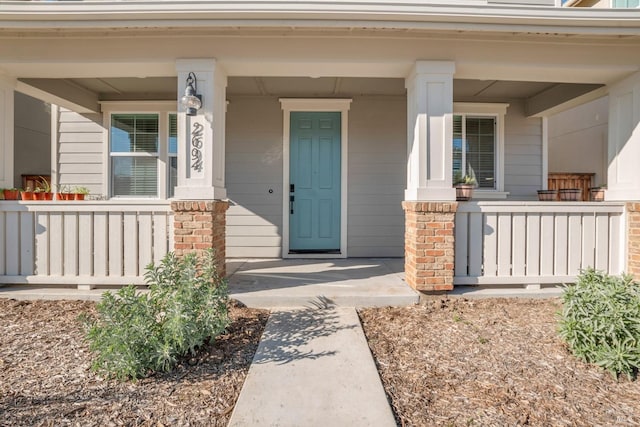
point(545, 152)
point(55, 120)
point(6, 132)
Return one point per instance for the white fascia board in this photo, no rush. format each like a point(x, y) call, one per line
point(467, 15)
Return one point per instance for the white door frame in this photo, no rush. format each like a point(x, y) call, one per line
point(316, 105)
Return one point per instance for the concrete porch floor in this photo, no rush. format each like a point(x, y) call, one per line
point(351, 282)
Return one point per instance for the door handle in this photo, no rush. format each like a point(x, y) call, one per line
point(292, 188)
point(291, 200)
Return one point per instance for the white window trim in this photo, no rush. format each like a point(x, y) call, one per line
point(498, 111)
point(316, 105)
point(163, 109)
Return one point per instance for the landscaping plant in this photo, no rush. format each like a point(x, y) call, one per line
point(600, 321)
point(135, 334)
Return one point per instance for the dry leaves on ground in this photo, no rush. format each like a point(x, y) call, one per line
point(491, 362)
point(45, 377)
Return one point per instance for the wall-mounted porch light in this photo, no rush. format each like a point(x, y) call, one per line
point(191, 100)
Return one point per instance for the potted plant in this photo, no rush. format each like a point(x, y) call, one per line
point(62, 193)
point(11, 193)
point(464, 185)
point(597, 193)
point(27, 194)
point(45, 189)
point(80, 193)
point(547, 195)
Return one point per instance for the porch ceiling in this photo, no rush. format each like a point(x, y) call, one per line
point(163, 88)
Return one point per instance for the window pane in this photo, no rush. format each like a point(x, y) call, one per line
point(626, 3)
point(134, 133)
point(457, 147)
point(173, 175)
point(134, 176)
point(480, 157)
point(173, 134)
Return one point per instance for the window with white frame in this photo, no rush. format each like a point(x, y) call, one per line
point(478, 143)
point(134, 155)
point(142, 154)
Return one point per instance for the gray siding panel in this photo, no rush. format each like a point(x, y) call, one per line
point(523, 153)
point(80, 151)
point(377, 176)
point(253, 167)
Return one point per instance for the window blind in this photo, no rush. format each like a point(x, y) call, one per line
point(134, 176)
point(474, 149)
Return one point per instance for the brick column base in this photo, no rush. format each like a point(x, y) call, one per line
point(200, 225)
point(429, 245)
point(633, 240)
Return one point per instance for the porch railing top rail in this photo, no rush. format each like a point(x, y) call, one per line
point(541, 207)
point(86, 206)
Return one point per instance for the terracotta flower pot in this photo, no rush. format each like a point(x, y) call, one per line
point(11, 194)
point(68, 196)
point(48, 196)
point(59, 196)
point(78, 196)
point(27, 195)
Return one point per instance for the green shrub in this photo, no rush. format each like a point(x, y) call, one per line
point(600, 321)
point(135, 334)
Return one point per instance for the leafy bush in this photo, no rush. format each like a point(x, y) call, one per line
point(136, 334)
point(601, 321)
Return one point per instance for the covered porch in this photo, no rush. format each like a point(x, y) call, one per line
point(228, 176)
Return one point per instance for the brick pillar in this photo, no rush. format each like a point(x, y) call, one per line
point(633, 240)
point(200, 225)
point(429, 245)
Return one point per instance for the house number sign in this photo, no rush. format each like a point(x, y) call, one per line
point(197, 142)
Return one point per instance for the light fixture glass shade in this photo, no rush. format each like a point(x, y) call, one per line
point(191, 101)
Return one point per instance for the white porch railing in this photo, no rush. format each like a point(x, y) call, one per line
point(82, 243)
point(509, 243)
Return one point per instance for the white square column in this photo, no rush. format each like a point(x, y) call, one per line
point(430, 131)
point(6, 132)
point(623, 176)
point(201, 138)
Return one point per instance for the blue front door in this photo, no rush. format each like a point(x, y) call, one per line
point(314, 185)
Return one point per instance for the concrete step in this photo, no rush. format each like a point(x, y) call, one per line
point(360, 282)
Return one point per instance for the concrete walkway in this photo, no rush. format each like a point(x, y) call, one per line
point(313, 368)
point(351, 282)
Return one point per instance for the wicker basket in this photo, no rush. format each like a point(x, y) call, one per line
point(570, 194)
point(547, 195)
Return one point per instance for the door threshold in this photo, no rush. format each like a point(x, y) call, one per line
point(315, 251)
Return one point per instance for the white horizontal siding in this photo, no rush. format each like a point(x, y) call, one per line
point(80, 151)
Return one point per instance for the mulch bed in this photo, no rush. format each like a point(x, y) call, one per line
point(491, 362)
point(45, 377)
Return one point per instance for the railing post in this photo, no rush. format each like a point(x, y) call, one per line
point(429, 245)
